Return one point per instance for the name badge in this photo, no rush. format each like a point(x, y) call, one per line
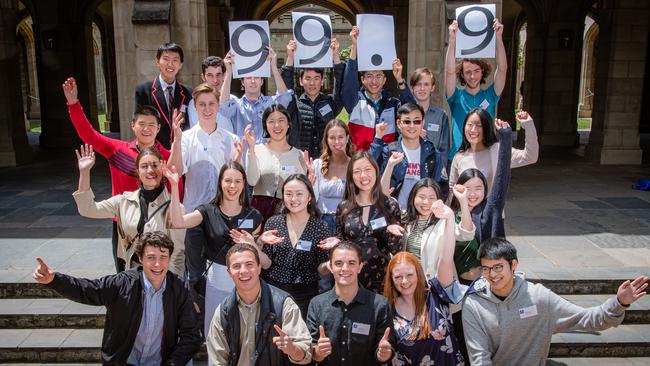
point(528, 312)
point(433, 127)
point(304, 245)
point(288, 169)
point(360, 328)
point(378, 223)
point(325, 109)
point(183, 108)
point(245, 224)
point(387, 115)
point(485, 104)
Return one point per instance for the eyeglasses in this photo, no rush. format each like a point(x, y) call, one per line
point(368, 171)
point(408, 122)
point(377, 77)
point(497, 268)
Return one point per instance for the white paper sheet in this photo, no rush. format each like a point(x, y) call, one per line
point(313, 35)
point(376, 44)
point(248, 44)
point(476, 37)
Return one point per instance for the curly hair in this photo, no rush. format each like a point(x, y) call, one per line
point(485, 69)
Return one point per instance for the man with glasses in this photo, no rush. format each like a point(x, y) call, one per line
point(370, 105)
point(410, 158)
point(511, 322)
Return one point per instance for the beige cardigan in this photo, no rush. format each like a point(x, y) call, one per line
point(125, 208)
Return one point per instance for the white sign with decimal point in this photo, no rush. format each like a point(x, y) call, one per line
point(475, 37)
point(249, 42)
point(376, 43)
point(313, 35)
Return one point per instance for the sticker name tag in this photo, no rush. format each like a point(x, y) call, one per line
point(387, 115)
point(360, 328)
point(183, 108)
point(304, 245)
point(528, 312)
point(288, 169)
point(245, 224)
point(485, 104)
point(378, 223)
point(325, 109)
point(433, 127)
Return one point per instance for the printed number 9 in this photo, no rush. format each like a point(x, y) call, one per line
point(323, 41)
point(488, 30)
point(262, 51)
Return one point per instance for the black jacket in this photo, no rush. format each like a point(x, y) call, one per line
point(151, 93)
point(122, 295)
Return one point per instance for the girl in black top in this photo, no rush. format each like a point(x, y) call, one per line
point(225, 221)
point(294, 257)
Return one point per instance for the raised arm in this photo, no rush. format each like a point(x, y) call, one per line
point(502, 62)
point(178, 219)
point(350, 85)
point(176, 155)
point(85, 162)
point(446, 268)
point(530, 153)
point(496, 199)
point(394, 159)
point(450, 61)
point(280, 86)
point(338, 70)
point(288, 69)
point(227, 79)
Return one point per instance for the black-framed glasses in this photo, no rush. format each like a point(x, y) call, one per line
point(497, 268)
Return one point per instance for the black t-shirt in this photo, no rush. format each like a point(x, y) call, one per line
point(216, 225)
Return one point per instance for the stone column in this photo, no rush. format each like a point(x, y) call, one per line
point(14, 148)
point(620, 72)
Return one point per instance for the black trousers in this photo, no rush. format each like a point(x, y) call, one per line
point(120, 265)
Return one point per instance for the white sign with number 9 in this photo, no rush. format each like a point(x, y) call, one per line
point(313, 35)
point(475, 37)
point(249, 42)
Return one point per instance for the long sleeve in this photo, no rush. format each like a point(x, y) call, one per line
point(496, 199)
point(406, 96)
point(476, 337)
point(569, 317)
point(377, 152)
point(338, 70)
point(287, 76)
point(97, 292)
point(283, 98)
point(454, 173)
point(296, 328)
point(443, 143)
point(530, 153)
point(252, 168)
point(189, 337)
point(350, 86)
point(216, 342)
point(102, 144)
point(105, 209)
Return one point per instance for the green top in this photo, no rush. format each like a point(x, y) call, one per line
point(465, 253)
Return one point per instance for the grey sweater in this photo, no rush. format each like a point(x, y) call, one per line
point(518, 330)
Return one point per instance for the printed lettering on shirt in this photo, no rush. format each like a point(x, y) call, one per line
point(413, 169)
point(528, 312)
point(360, 328)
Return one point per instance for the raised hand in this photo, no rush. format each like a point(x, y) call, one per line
point(336, 56)
point(397, 70)
point(460, 192)
point(269, 237)
point(381, 129)
point(309, 162)
point(291, 48)
point(499, 124)
point(442, 211)
point(629, 292)
point(170, 173)
point(249, 136)
point(242, 237)
point(522, 116)
point(178, 119)
point(395, 158)
point(85, 157)
point(354, 35)
point(498, 28)
point(395, 229)
point(273, 57)
point(237, 151)
point(70, 90)
point(453, 29)
point(228, 62)
point(323, 346)
point(328, 243)
point(42, 274)
point(384, 349)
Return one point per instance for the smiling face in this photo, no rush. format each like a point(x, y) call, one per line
point(296, 196)
point(145, 128)
point(155, 264)
point(405, 278)
point(312, 82)
point(474, 131)
point(475, 192)
point(364, 175)
point(423, 89)
point(472, 73)
point(213, 76)
point(346, 266)
point(169, 65)
point(337, 140)
point(410, 124)
point(149, 171)
point(232, 184)
point(207, 106)
point(424, 198)
point(373, 82)
point(500, 276)
point(244, 271)
point(277, 125)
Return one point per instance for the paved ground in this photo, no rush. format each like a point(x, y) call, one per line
point(568, 218)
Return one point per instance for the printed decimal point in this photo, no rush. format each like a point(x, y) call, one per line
point(376, 59)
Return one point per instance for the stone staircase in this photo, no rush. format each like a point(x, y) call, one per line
point(37, 326)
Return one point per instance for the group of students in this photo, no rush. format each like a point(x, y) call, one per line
point(359, 242)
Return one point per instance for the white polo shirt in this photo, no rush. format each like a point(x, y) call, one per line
point(203, 157)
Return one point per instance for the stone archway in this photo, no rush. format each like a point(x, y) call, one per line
point(28, 74)
point(588, 74)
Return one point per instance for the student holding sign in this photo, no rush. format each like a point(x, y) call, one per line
point(368, 105)
point(249, 108)
point(471, 73)
point(313, 109)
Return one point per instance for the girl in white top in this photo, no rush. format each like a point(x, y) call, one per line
point(328, 173)
point(480, 146)
point(270, 163)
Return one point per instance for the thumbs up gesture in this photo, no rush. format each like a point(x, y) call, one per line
point(323, 347)
point(384, 349)
point(42, 274)
point(284, 344)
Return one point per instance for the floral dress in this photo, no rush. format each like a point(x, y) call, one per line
point(376, 243)
point(441, 348)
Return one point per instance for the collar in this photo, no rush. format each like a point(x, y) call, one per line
point(259, 100)
point(376, 102)
point(362, 296)
point(148, 287)
point(304, 97)
point(164, 85)
point(255, 303)
point(133, 145)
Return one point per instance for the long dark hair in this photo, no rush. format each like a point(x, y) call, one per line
point(311, 206)
point(466, 175)
point(275, 108)
point(489, 134)
point(412, 214)
point(351, 190)
point(326, 152)
point(243, 196)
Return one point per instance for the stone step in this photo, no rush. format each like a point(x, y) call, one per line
point(604, 361)
point(631, 340)
point(637, 313)
point(49, 313)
